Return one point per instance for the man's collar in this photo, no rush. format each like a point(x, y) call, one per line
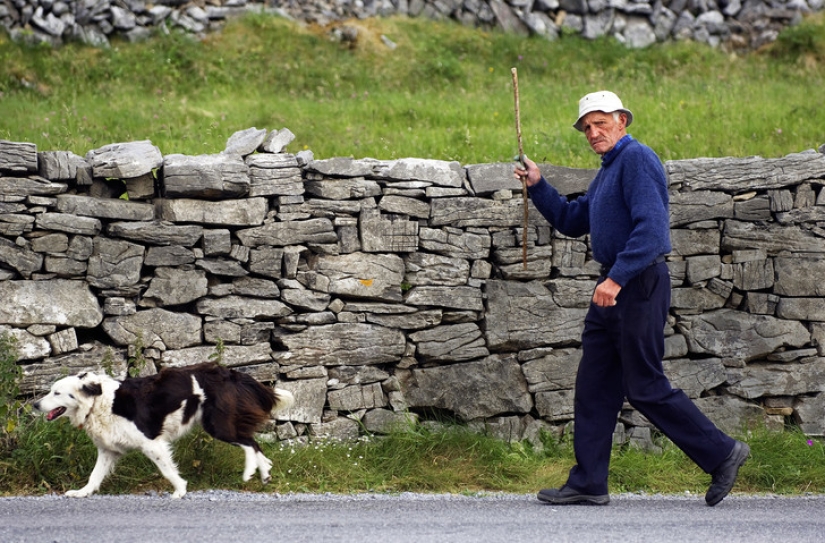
point(611, 154)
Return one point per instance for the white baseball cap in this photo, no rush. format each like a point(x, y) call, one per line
point(604, 101)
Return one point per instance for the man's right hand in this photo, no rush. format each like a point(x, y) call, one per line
point(530, 173)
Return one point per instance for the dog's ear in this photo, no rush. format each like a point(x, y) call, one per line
point(92, 389)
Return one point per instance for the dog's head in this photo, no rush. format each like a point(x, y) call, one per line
point(71, 396)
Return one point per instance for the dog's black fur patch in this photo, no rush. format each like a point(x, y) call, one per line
point(244, 406)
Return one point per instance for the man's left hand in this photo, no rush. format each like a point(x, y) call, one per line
point(606, 292)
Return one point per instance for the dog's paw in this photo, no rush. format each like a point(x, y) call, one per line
point(180, 489)
point(179, 493)
point(82, 493)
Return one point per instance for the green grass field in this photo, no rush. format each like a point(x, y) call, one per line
point(445, 92)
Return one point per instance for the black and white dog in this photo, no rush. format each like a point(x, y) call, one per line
point(150, 413)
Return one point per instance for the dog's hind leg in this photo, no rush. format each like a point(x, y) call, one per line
point(106, 461)
point(250, 462)
point(255, 460)
point(160, 452)
point(264, 465)
point(240, 435)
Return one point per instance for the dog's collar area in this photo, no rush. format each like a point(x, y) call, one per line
point(88, 414)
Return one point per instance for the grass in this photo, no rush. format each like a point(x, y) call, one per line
point(54, 457)
point(444, 92)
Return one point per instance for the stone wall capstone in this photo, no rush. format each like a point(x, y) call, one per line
point(384, 291)
point(734, 24)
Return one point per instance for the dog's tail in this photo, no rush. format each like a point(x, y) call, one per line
point(283, 400)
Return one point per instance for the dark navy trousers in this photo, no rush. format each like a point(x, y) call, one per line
point(623, 348)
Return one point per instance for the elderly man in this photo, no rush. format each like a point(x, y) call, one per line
point(625, 211)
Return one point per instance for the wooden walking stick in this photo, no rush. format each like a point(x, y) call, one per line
point(514, 71)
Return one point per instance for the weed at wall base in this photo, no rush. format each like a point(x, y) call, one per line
point(11, 408)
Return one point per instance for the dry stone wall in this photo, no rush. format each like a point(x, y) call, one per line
point(384, 291)
point(737, 24)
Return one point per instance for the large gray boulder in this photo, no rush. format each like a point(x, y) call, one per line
point(772, 238)
point(779, 379)
point(240, 212)
point(555, 370)
point(740, 175)
point(18, 156)
point(105, 208)
point(12, 187)
point(436, 172)
point(450, 343)
point(799, 275)
point(512, 322)
point(231, 356)
point(358, 275)
point(71, 224)
point(173, 286)
point(466, 298)
point(471, 390)
point(125, 160)
point(27, 345)
point(731, 414)
point(115, 263)
point(280, 234)
point(354, 188)
point(344, 344)
point(59, 302)
point(39, 377)
point(157, 232)
point(205, 176)
point(232, 307)
point(22, 259)
point(156, 328)
point(456, 242)
point(310, 398)
point(740, 337)
point(695, 377)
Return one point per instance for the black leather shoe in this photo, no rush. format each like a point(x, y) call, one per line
point(567, 496)
point(723, 478)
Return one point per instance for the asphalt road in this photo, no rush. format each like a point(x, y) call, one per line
point(220, 516)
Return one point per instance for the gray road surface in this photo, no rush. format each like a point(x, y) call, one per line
point(220, 516)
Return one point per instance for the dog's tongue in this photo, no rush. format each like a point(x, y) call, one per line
point(54, 413)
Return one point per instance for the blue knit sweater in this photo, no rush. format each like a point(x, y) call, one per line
point(625, 210)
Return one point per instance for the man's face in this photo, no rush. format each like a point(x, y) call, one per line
point(603, 131)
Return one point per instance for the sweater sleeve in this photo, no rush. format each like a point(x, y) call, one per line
point(570, 217)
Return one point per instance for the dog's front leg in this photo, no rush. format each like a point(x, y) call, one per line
point(160, 452)
point(106, 461)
